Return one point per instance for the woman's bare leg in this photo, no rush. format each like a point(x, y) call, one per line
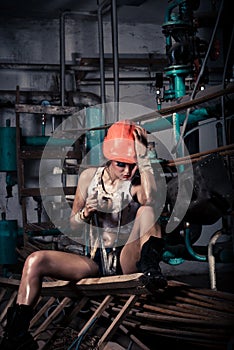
point(144, 227)
point(59, 265)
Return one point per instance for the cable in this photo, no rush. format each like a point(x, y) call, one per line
point(223, 82)
point(198, 78)
point(78, 340)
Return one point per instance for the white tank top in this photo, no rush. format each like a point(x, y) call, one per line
point(117, 211)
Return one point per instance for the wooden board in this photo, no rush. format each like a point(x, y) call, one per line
point(120, 284)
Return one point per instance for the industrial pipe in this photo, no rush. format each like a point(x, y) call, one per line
point(101, 50)
point(62, 49)
point(211, 259)
point(167, 122)
point(115, 49)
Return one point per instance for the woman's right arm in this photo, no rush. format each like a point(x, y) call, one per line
point(81, 196)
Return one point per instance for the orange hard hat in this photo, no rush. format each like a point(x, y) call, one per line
point(119, 142)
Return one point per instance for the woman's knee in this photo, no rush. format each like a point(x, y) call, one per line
point(130, 254)
point(146, 216)
point(147, 222)
point(145, 210)
point(34, 262)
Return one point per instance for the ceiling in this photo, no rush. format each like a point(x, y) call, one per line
point(137, 11)
point(35, 8)
point(53, 8)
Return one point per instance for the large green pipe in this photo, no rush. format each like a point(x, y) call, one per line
point(163, 123)
point(94, 138)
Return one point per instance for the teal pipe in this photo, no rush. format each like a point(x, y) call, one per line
point(42, 141)
point(170, 258)
point(94, 138)
point(190, 249)
point(179, 86)
point(164, 123)
point(177, 74)
point(171, 6)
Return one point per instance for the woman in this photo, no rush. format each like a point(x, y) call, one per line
point(115, 203)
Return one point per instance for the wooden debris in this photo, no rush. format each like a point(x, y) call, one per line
point(199, 317)
point(96, 312)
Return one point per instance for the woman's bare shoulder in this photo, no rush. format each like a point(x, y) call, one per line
point(88, 173)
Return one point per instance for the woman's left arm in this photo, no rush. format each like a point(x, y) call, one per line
point(147, 191)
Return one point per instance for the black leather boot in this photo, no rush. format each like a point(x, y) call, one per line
point(151, 254)
point(16, 335)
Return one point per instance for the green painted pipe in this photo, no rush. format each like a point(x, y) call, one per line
point(163, 123)
point(190, 249)
point(42, 141)
point(94, 138)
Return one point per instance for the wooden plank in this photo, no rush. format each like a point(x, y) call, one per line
point(120, 284)
point(109, 279)
point(42, 311)
point(2, 293)
point(128, 333)
point(9, 303)
point(104, 304)
point(117, 321)
point(52, 316)
point(77, 309)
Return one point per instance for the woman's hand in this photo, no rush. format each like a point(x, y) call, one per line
point(91, 205)
point(140, 136)
point(147, 189)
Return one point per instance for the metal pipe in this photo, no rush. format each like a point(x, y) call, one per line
point(200, 154)
point(115, 50)
point(62, 59)
point(62, 49)
point(211, 259)
point(167, 122)
point(101, 50)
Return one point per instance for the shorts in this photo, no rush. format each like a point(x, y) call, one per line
point(113, 261)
